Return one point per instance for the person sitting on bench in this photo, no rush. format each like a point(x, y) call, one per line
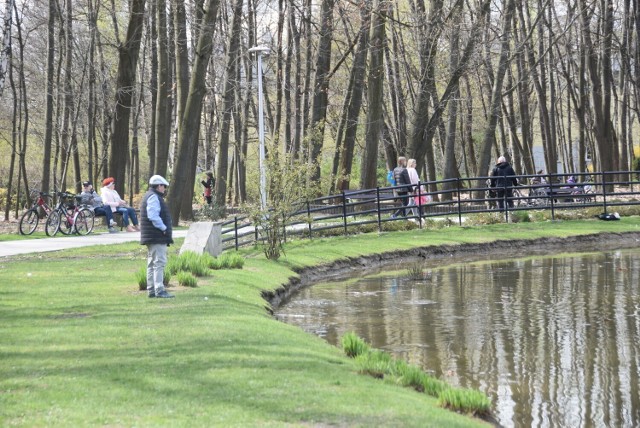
point(91, 198)
point(112, 198)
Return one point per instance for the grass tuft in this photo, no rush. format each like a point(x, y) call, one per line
point(141, 278)
point(374, 363)
point(381, 365)
point(186, 279)
point(353, 345)
point(465, 401)
point(415, 272)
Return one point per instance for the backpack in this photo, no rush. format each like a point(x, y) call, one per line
point(390, 179)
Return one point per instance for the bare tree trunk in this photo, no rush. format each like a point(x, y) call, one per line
point(421, 138)
point(321, 87)
point(14, 141)
point(358, 73)
point(163, 126)
point(450, 165)
point(91, 96)
point(152, 39)
point(48, 131)
point(182, 59)
point(489, 139)
point(396, 93)
point(5, 51)
point(67, 140)
point(189, 128)
point(422, 135)
point(23, 126)
point(127, 67)
point(375, 87)
point(229, 102)
point(600, 89)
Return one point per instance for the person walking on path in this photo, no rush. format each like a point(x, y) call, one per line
point(209, 184)
point(156, 234)
point(401, 175)
point(418, 192)
point(503, 179)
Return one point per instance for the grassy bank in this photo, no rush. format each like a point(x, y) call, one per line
point(81, 346)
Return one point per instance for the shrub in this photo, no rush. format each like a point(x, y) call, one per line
point(353, 345)
point(231, 261)
point(520, 217)
point(374, 363)
point(174, 265)
point(198, 266)
point(381, 365)
point(226, 261)
point(415, 271)
point(410, 375)
point(141, 278)
point(186, 279)
point(189, 261)
point(212, 212)
point(432, 386)
point(465, 401)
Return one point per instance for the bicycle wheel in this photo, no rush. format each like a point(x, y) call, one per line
point(66, 221)
point(83, 221)
point(518, 200)
point(53, 223)
point(29, 222)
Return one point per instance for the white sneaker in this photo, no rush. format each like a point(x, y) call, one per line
point(113, 223)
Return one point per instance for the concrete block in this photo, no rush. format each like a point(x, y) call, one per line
point(204, 236)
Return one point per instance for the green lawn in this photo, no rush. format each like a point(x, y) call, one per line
point(82, 347)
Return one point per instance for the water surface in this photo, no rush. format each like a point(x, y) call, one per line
point(553, 341)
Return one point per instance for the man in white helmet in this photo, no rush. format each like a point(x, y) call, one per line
point(156, 234)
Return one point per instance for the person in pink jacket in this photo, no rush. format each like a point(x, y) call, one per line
point(111, 198)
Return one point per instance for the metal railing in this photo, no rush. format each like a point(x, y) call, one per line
point(456, 198)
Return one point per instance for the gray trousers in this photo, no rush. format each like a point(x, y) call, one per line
point(156, 261)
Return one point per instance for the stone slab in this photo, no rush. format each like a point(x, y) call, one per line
point(204, 236)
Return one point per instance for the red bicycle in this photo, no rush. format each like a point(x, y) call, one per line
point(69, 217)
point(31, 217)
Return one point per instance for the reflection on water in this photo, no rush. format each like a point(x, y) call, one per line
point(553, 341)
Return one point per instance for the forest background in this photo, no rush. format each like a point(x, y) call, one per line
point(97, 88)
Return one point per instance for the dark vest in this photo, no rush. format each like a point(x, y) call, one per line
point(149, 234)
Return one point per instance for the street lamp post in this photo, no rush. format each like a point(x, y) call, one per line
point(261, 50)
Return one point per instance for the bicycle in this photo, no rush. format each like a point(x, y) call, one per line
point(69, 217)
point(31, 217)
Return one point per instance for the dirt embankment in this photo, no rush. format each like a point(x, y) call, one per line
point(584, 243)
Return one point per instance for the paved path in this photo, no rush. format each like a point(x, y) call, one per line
point(26, 246)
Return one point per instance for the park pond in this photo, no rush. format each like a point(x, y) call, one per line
point(552, 340)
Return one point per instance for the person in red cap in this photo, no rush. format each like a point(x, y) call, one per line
point(111, 197)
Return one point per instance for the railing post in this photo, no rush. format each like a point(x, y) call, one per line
point(284, 227)
point(378, 209)
point(551, 200)
point(459, 202)
point(309, 221)
point(235, 231)
point(419, 204)
point(505, 200)
point(604, 191)
point(344, 212)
